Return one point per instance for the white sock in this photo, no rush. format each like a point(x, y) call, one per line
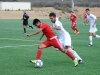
point(97, 36)
point(90, 38)
point(77, 56)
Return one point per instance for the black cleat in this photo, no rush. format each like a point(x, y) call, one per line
point(90, 45)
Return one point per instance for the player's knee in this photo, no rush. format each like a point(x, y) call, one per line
point(94, 35)
point(40, 47)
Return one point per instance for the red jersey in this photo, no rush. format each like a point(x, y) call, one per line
point(85, 16)
point(47, 31)
point(73, 18)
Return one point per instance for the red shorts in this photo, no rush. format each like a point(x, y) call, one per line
point(54, 42)
point(73, 24)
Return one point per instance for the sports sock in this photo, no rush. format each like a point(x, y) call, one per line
point(97, 36)
point(77, 56)
point(90, 38)
point(39, 53)
point(76, 29)
point(73, 28)
point(31, 27)
point(70, 55)
point(24, 30)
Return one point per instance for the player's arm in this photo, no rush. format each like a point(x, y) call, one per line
point(37, 32)
point(57, 27)
point(41, 36)
point(94, 17)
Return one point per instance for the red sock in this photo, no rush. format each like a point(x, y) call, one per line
point(70, 55)
point(73, 28)
point(76, 29)
point(39, 53)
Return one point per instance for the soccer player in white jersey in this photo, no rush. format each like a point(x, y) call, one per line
point(64, 36)
point(92, 21)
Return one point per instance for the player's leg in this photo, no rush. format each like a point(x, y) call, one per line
point(74, 26)
point(90, 39)
point(24, 26)
point(94, 33)
point(28, 26)
point(75, 54)
point(39, 51)
point(67, 45)
point(56, 43)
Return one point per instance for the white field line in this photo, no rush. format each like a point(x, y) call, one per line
point(19, 39)
point(19, 46)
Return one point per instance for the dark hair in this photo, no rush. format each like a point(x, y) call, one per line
point(35, 21)
point(87, 9)
point(71, 11)
point(52, 14)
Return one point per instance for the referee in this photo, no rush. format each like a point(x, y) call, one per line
point(25, 21)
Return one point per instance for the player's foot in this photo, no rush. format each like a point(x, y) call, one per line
point(33, 61)
point(90, 45)
point(77, 32)
point(75, 62)
point(32, 27)
point(80, 61)
point(24, 33)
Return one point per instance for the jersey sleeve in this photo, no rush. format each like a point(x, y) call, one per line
point(58, 23)
point(43, 26)
point(94, 17)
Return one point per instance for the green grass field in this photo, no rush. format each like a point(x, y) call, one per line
point(16, 50)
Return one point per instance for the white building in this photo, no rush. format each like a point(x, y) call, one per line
point(15, 5)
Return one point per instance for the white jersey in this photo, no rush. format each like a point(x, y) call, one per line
point(61, 33)
point(64, 36)
point(91, 18)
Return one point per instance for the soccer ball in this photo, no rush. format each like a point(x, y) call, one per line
point(38, 63)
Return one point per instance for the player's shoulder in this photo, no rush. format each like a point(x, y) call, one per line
point(57, 22)
point(92, 15)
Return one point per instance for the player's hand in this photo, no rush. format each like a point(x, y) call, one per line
point(28, 35)
point(51, 27)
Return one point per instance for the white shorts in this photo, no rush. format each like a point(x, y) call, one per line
point(66, 40)
point(93, 30)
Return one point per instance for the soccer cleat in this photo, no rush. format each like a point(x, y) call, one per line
point(80, 61)
point(77, 32)
point(90, 45)
point(33, 61)
point(32, 27)
point(24, 33)
point(75, 62)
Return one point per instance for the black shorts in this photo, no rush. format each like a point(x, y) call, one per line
point(25, 23)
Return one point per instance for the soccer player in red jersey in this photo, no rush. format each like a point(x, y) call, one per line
point(52, 40)
point(73, 18)
point(85, 18)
